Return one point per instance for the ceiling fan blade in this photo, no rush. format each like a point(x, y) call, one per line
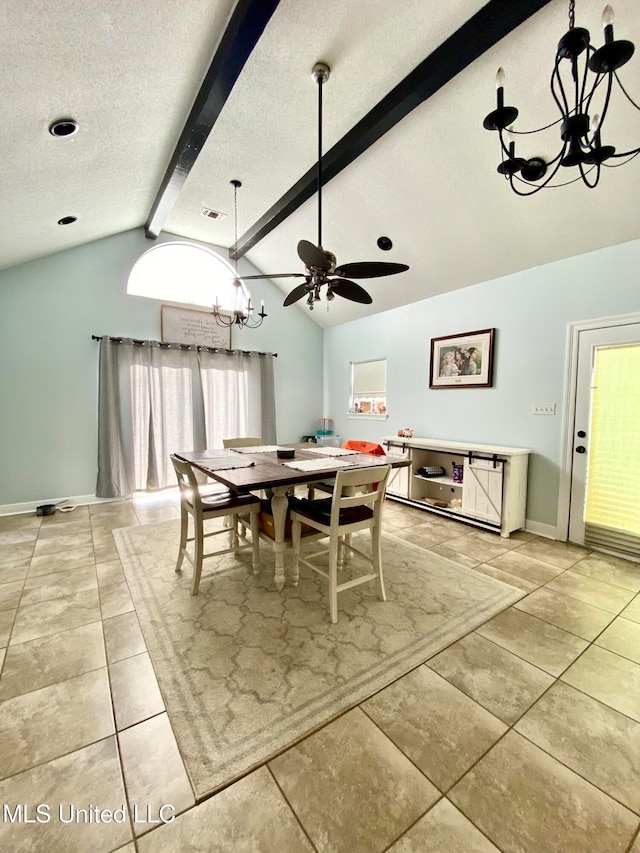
point(276, 275)
point(349, 290)
point(297, 293)
point(312, 256)
point(369, 269)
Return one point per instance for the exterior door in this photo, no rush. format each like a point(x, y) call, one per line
point(605, 474)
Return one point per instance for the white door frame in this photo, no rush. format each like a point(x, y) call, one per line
point(569, 410)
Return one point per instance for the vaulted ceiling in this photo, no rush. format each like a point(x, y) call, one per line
point(129, 74)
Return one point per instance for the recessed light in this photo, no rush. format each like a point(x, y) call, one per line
point(67, 220)
point(384, 243)
point(63, 127)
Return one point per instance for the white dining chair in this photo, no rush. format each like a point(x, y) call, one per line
point(368, 447)
point(338, 517)
point(216, 505)
point(241, 442)
point(244, 442)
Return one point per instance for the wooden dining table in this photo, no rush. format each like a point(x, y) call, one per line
point(249, 469)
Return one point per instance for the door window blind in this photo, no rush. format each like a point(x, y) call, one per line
point(612, 512)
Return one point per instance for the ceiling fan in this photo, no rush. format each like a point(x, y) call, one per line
point(320, 265)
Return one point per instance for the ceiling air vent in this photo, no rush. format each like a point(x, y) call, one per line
point(212, 214)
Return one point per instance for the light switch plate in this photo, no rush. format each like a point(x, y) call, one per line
point(543, 409)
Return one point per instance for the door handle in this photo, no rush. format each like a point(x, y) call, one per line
point(580, 449)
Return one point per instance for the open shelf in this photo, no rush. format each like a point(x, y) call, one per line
point(444, 481)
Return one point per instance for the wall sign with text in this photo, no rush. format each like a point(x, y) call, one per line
point(184, 326)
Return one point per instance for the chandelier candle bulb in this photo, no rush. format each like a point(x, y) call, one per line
point(500, 87)
point(608, 18)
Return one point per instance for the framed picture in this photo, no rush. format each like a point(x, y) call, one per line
point(184, 326)
point(462, 361)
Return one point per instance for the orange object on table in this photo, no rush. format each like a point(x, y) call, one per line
point(364, 447)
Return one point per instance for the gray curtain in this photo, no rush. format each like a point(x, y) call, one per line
point(156, 399)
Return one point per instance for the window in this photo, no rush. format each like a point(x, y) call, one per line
point(369, 387)
point(185, 273)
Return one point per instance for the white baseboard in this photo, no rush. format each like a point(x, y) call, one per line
point(548, 531)
point(30, 506)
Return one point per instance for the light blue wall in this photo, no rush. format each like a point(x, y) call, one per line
point(531, 312)
point(48, 380)
point(49, 309)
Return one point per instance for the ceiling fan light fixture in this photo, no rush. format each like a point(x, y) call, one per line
point(586, 68)
point(319, 264)
point(384, 243)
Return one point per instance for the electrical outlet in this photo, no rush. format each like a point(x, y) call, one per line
point(543, 409)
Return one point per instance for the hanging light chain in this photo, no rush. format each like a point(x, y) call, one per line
point(236, 184)
point(242, 316)
point(572, 14)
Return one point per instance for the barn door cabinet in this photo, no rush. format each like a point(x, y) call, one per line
point(480, 484)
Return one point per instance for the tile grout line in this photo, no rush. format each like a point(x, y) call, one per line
point(286, 799)
point(512, 726)
point(442, 795)
point(115, 730)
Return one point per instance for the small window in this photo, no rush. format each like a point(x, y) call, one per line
point(185, 273)
point(369, 387)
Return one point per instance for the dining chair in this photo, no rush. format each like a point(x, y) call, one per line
point(241, 442)
point(356, 505)
point(244, 442)
point(216, 505)
point(369, 447)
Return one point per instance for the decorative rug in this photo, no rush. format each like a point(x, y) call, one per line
point(246, 670)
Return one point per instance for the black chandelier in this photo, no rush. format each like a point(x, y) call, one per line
point(581, 133)
point(242, 313)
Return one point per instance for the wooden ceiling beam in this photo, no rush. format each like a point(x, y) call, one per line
point(480, 33)
point(243, 31)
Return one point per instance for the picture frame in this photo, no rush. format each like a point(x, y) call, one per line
point(462, 361)
point(186, 326)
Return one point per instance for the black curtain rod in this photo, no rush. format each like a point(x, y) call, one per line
point(164, 345)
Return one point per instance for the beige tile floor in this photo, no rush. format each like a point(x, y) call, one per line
point(522, 736)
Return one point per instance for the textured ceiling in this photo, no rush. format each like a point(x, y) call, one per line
point(129, 73)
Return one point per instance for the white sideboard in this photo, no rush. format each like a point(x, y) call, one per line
point(492, 493)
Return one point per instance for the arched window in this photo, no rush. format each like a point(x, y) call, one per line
point(185, 272)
